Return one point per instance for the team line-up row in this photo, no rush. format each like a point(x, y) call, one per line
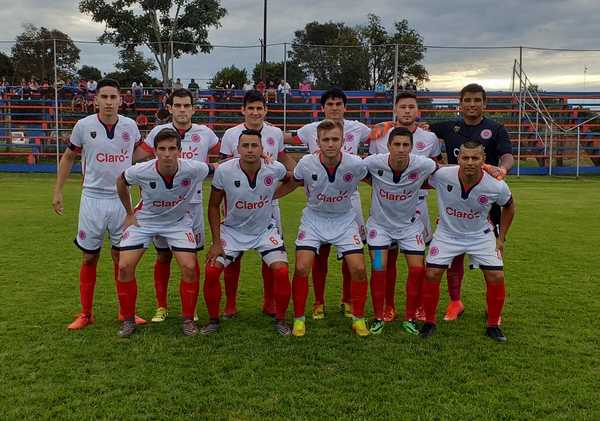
point(476, 209)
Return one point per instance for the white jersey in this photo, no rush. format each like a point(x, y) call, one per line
point(394, 196)
point(195, 144)
point(271, 138)
point(107, 152)
point(424, 143)
point(355, 132)
point(165, 201)
point(329, 191)
point(248, 202)
point(465, 212)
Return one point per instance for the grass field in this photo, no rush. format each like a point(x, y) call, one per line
point(549, 369)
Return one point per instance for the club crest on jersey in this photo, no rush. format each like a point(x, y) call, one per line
point(434, 251)
point(413, 175)
point(348, 177)
point(349, 137)
point(125, 235)
point(380, 172)
point(82, 235)
point(268, 180)
point(449, 187)
point(301, 235)
point(237, 183)
point(125, 137)
point(270, 141)
point(185, 182)
point(153, 184)
point(483, 199)
point(196, 138)
point(314, 177)
point(372, 233)
point(486, 134)
point(420, 145)
point(93, 134)
point(456, 129)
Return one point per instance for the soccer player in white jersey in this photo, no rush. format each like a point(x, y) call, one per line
point(330, 177)
point(197, 142)
point(107, 141)
point(424, 144)
point(168, 184)
point(465, 194)
point(247, 186)
point(254, 110)
point(396, 178)
point(333, 105)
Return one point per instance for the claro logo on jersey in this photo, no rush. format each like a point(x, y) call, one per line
point(258, 204)
point(457, 213)
point(397, 197)
point(343, 195)
point(167, 203)
point(189, 154)
point(112, 158)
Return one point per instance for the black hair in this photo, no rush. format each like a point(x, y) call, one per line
point(400, 131)
point(333, 93)
point(473, 88)
point(107, 82)
point(250, 132)
point(404, 95)
point(253, 95)
point(180, 93)
point(167, 133)
point(472, 144)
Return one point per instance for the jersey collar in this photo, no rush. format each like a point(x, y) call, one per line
point(331, 174)
point(168, 181)
point(110, 129)
point(464, 193)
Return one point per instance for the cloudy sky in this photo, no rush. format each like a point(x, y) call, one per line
point(568, 24)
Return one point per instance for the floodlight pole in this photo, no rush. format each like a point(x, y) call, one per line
point(284, 86)
point(264, 44)
point(578, 156)
point(395, 85)
point(172, 65)
point(56, 108)
point(519, 124)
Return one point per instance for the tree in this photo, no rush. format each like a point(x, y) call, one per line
point(274, 72)
point(33, 54)
point(6, 67)
point(134, 67)
point(229, 74)
point(89, 73)
point(346, 68)
point(155, 24)
point(410, 52)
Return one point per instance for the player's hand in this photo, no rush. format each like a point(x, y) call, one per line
point(57, 203)
point(129, 221)
point(268, 160)
point(500, 247)
point(424, 125)
point(214, 252)
point(497, 172)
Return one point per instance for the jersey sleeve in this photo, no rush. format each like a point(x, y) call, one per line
point(281, 172)
point(361, 171)
point(77, 139)
point(137, 136)
point(436, 149)
point(149, 140)
point(202, 169)
point(217, 181)
point(227, 144)
point(435, 179)
point(131, 175)
point(364, 132)
point(281, 145)
point(504, 196)
point(299, 170)
point(430, 166)
point(213, 139)
point(303, 134)
point(503, 141)
point(439, 129)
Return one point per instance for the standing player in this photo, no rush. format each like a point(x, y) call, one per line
point(254, 110)
point(197, 142)
point(396, 178)
point(247, 186)
point(330, 177)
point(424, 144)
point(333, 105)
point(498, 152)
point(107, 141)
point(168, 184)
point(465, 195)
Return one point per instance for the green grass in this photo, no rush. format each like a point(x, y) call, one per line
point(549, 369)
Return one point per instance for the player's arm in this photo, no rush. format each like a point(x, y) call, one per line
point(125, 198)
point(506, 218)
point(288, 185)
point(64, 169)
point(142, 152)
point(290, 139)
point(287, 161)
point(214, 221)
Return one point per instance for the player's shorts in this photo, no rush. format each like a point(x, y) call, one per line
point(197, 215)
point(423, 214)
point(97, 216)
point(358, 215)
point(178, 236)
point(268, 243)
point(340, 231)
point(408, 240)
point(481, 251)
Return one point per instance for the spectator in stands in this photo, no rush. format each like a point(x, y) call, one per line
point(82, 86)
point(283, 90)
point(128, 101)
point(193, 87)
point(261, 87)
point(23, 89)
point(229, 90)
point(248, 86)
point(3, 87)
point(138, 90)
point(305, 89)
point(271, 92)
point(162, 116)
point(34, 87)
point(91, 86)
point(411, 86)
point(379, 89)
point(177, 84)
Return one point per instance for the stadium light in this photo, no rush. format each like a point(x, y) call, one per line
point(263, 63)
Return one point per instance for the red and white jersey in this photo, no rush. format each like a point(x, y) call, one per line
point(107, 152)
point(465, 212)
point(424, 143)
point(394, 196)
point(329, 189)
point(271, 138)
point(195, 144)
point(355, 132)
point(248, 201)
point(165, 201)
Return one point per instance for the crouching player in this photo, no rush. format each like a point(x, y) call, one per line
point(330, 178)
point(396, 178)
point(465, 194)
point(247, 184)
point(167, 184)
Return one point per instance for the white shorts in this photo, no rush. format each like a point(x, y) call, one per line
point(178, 237)
point(269, 244)
point(423, 214)
point(316, 230)
point(481, 251)
point(358, 215)
point(197, 215)
point(97, 216)
point(408, 240)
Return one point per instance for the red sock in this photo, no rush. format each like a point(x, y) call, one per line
point(282, 291)
point(87, 283)
point(414, 283)
point(346, 284)
point(495, 301)
point(430, 297)
point(212, 290)
point(378, 292)
point(390, 279)
point(359, 297)
point(189, 297)
point(455, 276)
point(319, 273)
point(299, 293)
point(162, 272)
point(268, 287)
point(127, 292)
point(231, 276)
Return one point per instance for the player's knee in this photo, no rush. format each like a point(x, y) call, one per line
point(494, 276)
point(358, 272)
point(278, 265)
point(188, 270)
point(90, 259)
point(301, 270)
point(432, 275)
point(164, 256)
point(125, 271)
